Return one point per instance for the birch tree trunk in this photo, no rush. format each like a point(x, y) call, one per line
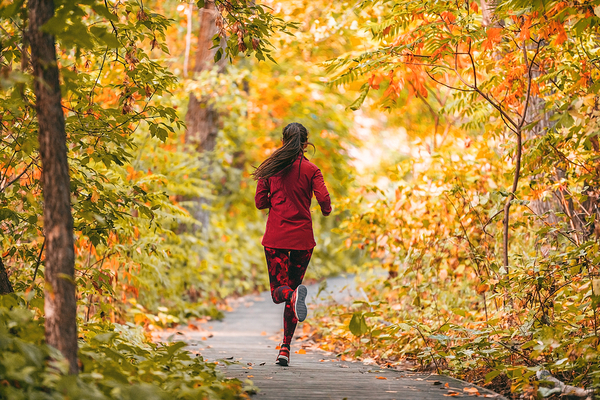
point(60, 304)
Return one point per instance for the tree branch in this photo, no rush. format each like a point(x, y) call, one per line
point(39, 260)
point(3, 188)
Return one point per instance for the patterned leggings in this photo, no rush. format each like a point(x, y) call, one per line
point(286, 271)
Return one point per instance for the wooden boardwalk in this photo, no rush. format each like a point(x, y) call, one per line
point(244, 345)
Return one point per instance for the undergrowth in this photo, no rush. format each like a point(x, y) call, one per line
point(116, 362)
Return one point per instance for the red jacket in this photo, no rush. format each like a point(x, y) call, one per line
point(288, 196)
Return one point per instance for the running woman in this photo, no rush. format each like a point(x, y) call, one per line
point(286, 183)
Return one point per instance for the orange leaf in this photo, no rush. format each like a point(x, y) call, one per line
point(305, 328)
point(562, 35)
point(447, 16)
point(382, 377)
point(482, 288)
point(471, 390)
point(375, 80)
point(493, 37)
point(301, 351)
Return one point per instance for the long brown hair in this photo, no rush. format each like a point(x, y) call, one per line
point(295, 137)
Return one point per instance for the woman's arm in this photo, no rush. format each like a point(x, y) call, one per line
point(321, 192)
point(261, 199)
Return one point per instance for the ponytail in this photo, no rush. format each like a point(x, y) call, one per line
point(295, 137)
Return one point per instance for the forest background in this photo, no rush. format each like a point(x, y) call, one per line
point(458, 140)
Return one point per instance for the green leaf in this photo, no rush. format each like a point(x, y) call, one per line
point(105, 337)
point(175, 346)
point(364, 91)
point(491, 375)
point(358, 325)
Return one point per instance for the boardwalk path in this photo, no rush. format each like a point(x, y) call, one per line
point(249, 334)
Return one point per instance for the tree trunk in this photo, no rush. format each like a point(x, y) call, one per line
point(60, 305)
point(5, 286)
point(558, 203)
point(202, 119)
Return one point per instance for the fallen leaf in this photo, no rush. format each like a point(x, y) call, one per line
point(471, 390)
point(301, 351)
point(263, 333)
point(437, 383)
point(381, 377)
point(262, 363)
point(250, 376)
point(452, 394)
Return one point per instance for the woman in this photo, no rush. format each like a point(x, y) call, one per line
point(286, 182)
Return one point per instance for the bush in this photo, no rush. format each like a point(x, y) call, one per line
point(116, 363)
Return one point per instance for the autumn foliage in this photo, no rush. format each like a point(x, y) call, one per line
point(459, 141)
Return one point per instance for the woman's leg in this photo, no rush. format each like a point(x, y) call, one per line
point(278, 262)
point(298, 262)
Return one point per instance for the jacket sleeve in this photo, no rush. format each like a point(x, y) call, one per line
point(321, 192)
point(261, 199)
